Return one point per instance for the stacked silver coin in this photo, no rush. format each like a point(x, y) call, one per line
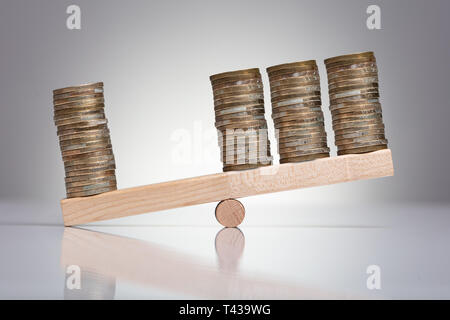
point(240, 119)
point(297, 111)
point(84, 140)
point(354, 103)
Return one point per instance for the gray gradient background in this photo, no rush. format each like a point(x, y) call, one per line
point(155, 58)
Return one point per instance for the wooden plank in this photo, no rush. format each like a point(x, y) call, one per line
point(220, 186)
point(151, 265)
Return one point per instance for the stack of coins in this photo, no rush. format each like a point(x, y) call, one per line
point(297, 111)
point(354, 103)
point(240, 120)
point(84, 140)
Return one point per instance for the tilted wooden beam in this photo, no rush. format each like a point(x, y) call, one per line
point(220, 186)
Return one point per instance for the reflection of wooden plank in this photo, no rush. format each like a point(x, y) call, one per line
point(151, 265)
point(220, 186)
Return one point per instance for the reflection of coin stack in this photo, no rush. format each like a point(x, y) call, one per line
point(240, 121)
point(297, 111)
point(84, 140)
point(354, 103)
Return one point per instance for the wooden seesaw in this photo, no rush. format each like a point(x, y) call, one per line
point(227, 185)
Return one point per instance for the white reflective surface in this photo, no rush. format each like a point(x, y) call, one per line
point(299, 259)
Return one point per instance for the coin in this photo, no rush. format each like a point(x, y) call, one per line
point(288, 70)
point(67, 113)
point(257, 124)
point(80, 98)
point(364, 54)
point(84, 141)
point(88, 155)
point(90, 165)
point(85, 147)
point(230, 83)
point(300, 107)
point(358, 117)
point(359, 72)
point(242, 159)
point(84, 151)
point(298, 97)
point(229, 106)
point(308, 113)
point(294, 72)
point(82, 124)
point(296, 100)
point(244, 167)
point(354, 124)
point(258, 108)
point(373, 108)
point(367, 96)
point(256, 114)
point(255, 117)
point(100, 180)
point(354, 93)
point(86, 86)
point(102, 184)
point(298, 119)
point(354, 103)
point(301, 87)
point(91, 192)
point(256, 141)
point(291, 132)
point(308, 79)
point(302, 141)
point(362, 150)
point(232, 74)
point(238, 94)
point(291, 65)
point(341, 142)
point(370, 71)
point(346, 87)
point(244, 148)
point(75, 95)
point(353, 64)
point(86, 91)
point(93, 171)
point(236, 79)
point(295, 146)
point(80, 118)
point(240, 119)
point(79, 104)
point(350, 66)
point(238, 88)
point(353, 81)
point(358, 104)
point(293, 136)
point(342, 116)
point(292, 154)
point(309, 157)
point(362, 144)
point(89, 134)
point(298, 74)
point(299, 125)
point(379, 126)
point(251, 97)
point(73, 131)
point(359, 133)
